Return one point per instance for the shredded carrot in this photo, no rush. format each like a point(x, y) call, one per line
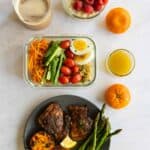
point(37, 50)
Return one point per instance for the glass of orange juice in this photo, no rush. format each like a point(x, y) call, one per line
point(120, 62)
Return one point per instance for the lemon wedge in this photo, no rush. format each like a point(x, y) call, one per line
point(68, 142)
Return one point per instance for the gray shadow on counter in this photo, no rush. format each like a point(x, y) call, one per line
point(13, 17)
point(19, 140)
point(15, 67)
point(13, 31)
point(102, 26)
point(100, 96)
point(18, 63)
point(103, 65)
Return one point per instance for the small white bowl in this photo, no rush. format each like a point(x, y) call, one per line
point(44, 22)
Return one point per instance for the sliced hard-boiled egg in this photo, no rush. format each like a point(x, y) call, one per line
point(84, 59)
point(81, 46)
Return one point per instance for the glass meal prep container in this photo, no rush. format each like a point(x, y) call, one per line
point(87, 65)
point(79, 12)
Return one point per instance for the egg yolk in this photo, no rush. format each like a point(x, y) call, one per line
point(80, 45)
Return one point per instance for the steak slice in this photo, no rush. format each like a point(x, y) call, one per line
point(52, 120)
point(81, 123)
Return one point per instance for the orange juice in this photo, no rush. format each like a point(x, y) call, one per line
point(120, 62)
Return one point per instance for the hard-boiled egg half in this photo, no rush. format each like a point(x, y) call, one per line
point(84, 59)
point(81, 46)
point(83, 50)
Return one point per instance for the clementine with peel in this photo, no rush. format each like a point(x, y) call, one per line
point(117, 96)
point(118, 20)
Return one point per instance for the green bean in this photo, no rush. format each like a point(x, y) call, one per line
point(102, 111)
point(55, 51)
point(53, 45)
point(114, 133)
point(84, 145)
point(48, 75)
point(58, 68)
point(101, 133)
point(88, 140)
point(95, 131)
point(54, 68)
point(104, 135)
point(102, 127)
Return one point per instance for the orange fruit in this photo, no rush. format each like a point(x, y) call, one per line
point(118, 20)
point(117, 96)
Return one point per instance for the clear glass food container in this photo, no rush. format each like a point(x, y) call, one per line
point(67, 4)
point(58, 85)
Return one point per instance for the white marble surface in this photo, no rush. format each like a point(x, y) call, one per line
point(17, 99)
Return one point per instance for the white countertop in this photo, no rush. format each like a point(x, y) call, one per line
point(17, 99)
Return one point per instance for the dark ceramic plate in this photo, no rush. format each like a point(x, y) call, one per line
point(64, 100)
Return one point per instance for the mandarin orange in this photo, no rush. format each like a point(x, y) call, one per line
point(117, 96)
point(118, 20)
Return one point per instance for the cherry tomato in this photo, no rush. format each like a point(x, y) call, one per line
point(102, 2)
point(65, 70)
point(76, 78)
point(78, 5)
point(91, 2)
point(69, 62)
point(105, 2)
point(65, 44)
point(75, 69)
point(69, 54)
point(64, 79)
point(88, 8)
point(98, 7)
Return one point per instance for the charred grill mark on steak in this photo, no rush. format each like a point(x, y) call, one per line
point(52, 120)
point(81, 124)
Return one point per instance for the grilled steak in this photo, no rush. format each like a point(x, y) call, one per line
point(81, 124)
point(52, 120)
